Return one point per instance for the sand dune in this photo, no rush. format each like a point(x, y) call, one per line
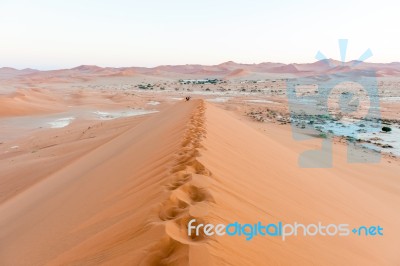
point(237, 73)
point(227, 70)
point(28, 102)
point(111, 188)
point(128, 201)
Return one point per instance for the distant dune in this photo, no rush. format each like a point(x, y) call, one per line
point(237, 73)
point(227, 70)
point(28, 102)
point(7, 72)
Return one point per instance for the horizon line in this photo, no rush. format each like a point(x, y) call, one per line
point(195, 64)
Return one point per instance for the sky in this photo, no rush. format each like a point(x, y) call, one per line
point(54, 34)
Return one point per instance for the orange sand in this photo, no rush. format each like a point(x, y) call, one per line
point(127, 198)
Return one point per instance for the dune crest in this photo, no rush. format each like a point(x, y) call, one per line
point(187, 183)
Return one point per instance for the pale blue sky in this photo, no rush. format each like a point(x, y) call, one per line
point(48, 34)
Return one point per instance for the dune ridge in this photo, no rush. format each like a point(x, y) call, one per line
point(188, 199)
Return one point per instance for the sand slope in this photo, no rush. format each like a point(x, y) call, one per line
point(113, 186)
point(256, 178)
point(28, 102)
point(128, 201)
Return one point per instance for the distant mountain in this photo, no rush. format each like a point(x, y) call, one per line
point(284, 69)
point(87, 68)
point(226, 70)
point(12, 72)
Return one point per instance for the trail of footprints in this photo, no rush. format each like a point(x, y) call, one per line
point(188, 199)
point(188, 183)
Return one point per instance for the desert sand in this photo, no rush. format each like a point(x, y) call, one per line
point(107, 166)
point(126, 198)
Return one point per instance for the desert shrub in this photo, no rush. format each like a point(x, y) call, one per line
point(323, 135)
